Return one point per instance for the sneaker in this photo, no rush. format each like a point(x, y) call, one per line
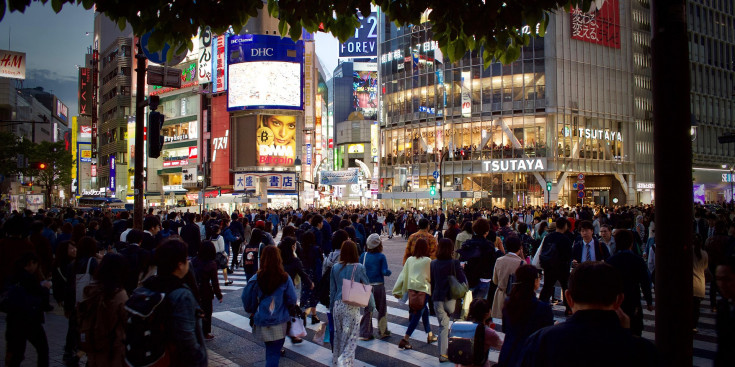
point(208, 337)
point(296, 340)
point(443, 359)
point(315, 320)
point(364, 338)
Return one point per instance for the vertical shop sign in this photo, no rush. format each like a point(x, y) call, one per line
point(205, 56)
point(466, 96)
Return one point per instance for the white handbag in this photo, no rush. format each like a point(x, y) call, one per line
point(297, 328)
point(355, 293)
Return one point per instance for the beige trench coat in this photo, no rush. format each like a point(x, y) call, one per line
point(504, 266)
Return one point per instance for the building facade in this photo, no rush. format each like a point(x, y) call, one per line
point(711, 26)
point(563, 113)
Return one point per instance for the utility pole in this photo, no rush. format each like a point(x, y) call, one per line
point(441, 179)
point(139, 116)
point(673, 177)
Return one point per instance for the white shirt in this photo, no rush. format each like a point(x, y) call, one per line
point(219, 244)
point(124, 235)
point(591, 246)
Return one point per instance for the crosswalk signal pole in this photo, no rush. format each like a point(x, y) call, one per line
point(139, 116)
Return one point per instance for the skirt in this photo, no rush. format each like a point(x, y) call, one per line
point(270, 333)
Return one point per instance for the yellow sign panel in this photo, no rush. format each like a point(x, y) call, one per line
point(356, 148)
point(87, 154)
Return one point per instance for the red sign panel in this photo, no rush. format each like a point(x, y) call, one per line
point(178, 163)
point(601, 25)
point(220, 160)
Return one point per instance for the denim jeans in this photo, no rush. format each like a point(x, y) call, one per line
point(414, 318)
point(390, 229)
point(443, 310)
point(273, 352)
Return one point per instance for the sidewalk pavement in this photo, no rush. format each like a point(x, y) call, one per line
point(56, 325)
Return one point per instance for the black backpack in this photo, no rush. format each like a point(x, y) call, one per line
point(145, 332)
point(467, 343)
point(549, 254)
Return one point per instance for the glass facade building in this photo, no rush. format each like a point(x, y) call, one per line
point(496, 136)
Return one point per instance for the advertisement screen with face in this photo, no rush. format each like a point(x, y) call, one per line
point(365, 91)
point(276, 140)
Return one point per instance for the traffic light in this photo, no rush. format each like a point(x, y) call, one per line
point(432, 190)
point(39, 165)
point(155, 140)
point(153, 102)
point(548, 186)
point(27, 184)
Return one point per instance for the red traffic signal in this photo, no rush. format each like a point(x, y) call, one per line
point(27, 184)
point(39, 165)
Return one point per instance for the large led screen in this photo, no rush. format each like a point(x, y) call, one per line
point(264, 72)
point(365, 90)
point(275, 139)
point(258, 84)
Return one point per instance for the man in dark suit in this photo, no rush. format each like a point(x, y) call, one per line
point(588, 248)
point(596, 334)
point(151, 227)
point(556, 256)
point(725, 276)
point(191, 234)
point(635, 276)
point(440, 219)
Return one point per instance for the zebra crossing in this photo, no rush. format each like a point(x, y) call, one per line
point(386, 353)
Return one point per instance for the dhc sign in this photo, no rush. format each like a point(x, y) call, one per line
point(515, 165)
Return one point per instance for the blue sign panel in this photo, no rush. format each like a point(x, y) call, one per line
point(112, 172)
point(264, 72)
point(365, 42)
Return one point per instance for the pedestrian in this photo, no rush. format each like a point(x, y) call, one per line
point(699, 270)
point(716, 246)
point(27, 300)
point(311, 257)
point(607, 239)
point(588, 248)
point(346, 317)
point(452, 231)
point(441, 269)
point(205, 273)
point(479, 255)
point(480, 314)
point(523, 314)
point(635, 279)
point(422, 233)
point(102, 314)
point(180, 316)
point(725, 275)
point(219, 245)
point(504, 267)
point(376, 267)
point(463, 236)
point(414, 284)
point(324, 289)
point(555, 259)
point(66, 252)
point(294, 268)
point(596, 334)
point(410, 225)
point(151, 229)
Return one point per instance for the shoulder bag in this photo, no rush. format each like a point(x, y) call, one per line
point(457, 290)
point(355, 293)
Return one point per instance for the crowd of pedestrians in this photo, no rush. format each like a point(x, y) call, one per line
point(468, 264)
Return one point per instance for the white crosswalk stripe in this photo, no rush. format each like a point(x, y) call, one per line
point(703, 344)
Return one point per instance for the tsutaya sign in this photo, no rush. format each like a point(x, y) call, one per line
point(600, 134)
point(515, 165)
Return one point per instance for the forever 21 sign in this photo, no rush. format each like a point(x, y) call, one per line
point(364, 43)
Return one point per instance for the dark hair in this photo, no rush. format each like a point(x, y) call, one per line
point(423, 223)
point(134, 236)
point(316, 220)
point(348, 254)
point(518, 306)
point(467, 227)
point(339, 237)
point(543, 226)
point(78, 232)
point(479, 309)
point(286, 247)
point(151, 222)
point(512, 244)
point(561, 222)
point(623, 239)
point(445, 249)
point(585, 224)
point(503, 221)
point(111, 273)
point(207, 251)
point(86, 247)
point(289, 231)
point(481, 226)
point(169, 255)
point(61, 257)
point(271, 274)
point(609, 227)
point(256, 237)
point(522, 228)
point(595, 283)
point(25, 259)
point(420, 248)
point(452, 222)
point(720, 227)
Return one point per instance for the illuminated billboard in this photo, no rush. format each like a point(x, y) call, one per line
point(275, 140)
point(264, 72)
point(601, 25)
point(365, 89)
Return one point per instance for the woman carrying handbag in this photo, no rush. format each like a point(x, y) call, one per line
point(442, 269)
point(345, 303)
point(414, 283)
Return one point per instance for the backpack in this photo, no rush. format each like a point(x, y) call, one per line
point(549, 255)
point(511, 281)
point(322, 289)
point(145, 332)
point(82, 280)
point(92, 334)
point(467, 343)
point(250, 260)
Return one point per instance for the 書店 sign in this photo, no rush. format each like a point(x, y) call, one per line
point(515, 165)
point(274, 181)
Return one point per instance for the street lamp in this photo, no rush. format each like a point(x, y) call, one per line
point(297, 163)
point(200, 180)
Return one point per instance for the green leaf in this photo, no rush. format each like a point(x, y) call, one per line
point(87, 4)
point(56, 5)
point(121, 23)
point(544, 24)
point(295, 33)
point(283, 27)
